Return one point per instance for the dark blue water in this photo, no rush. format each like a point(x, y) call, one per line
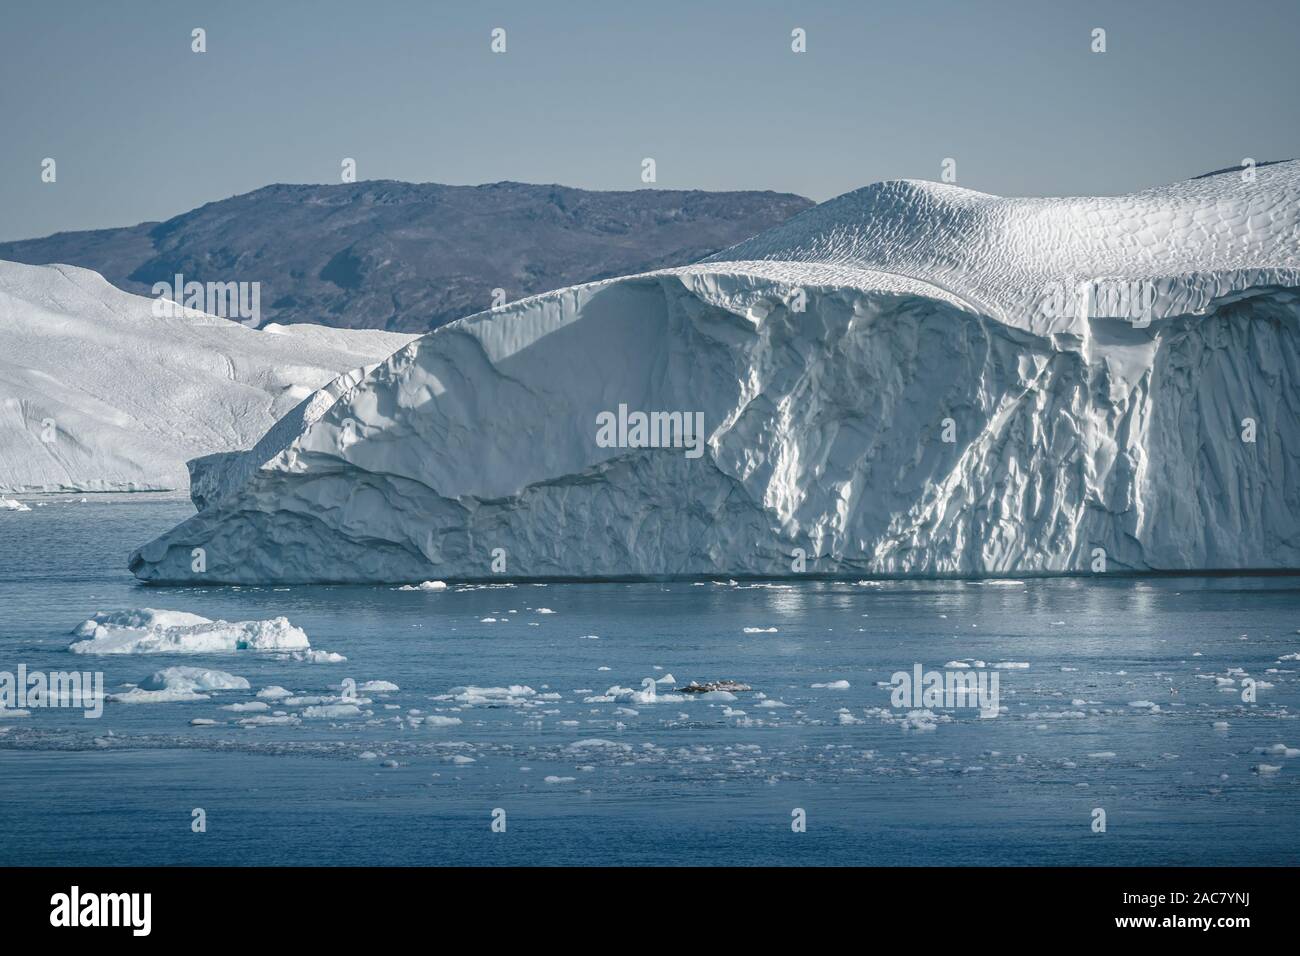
point(675, 781)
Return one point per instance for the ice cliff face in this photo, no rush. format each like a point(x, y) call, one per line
point(910, 379)
point(97, 393)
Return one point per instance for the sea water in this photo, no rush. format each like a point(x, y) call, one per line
point(1125, 735)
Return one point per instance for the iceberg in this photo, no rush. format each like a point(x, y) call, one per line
point(910, 379)
point(100, 393)
point(150, 631)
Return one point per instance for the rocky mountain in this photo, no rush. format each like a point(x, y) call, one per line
point(411, 257)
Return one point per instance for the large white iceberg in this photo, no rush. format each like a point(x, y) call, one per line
point(910, 379)
point(99, 393)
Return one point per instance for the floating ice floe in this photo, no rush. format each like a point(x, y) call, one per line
point(12, 504)
point(716, 695)
point(179, 684)
point(924, 720)
point(1279, 750)
point(599, 743)
point(512, 696)
point(269, 720)
point(715, 686)
point(200, 678)
point(648, 694)
point(151, 631)
point(425, 586)
point(760, 630)
point(437, 720)
point(312, 656)
point(832, 685)
point(325, 711)
point(310, 700)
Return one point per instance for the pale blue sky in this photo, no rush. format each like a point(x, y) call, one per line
point(142, 128)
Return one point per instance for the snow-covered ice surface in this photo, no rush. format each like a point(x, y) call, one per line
point(99, 394)
point(435, 719)
point(936, 407)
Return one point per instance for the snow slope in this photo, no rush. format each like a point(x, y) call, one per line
point(98, 394)
point(909, 379)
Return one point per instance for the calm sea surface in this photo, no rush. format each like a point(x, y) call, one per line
point(1115, 713)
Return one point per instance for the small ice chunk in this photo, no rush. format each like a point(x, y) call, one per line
point(248, 707)
point(317, 657)
point(325, 711)
point(437, 720)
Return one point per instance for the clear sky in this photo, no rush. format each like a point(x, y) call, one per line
point(142, 128)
